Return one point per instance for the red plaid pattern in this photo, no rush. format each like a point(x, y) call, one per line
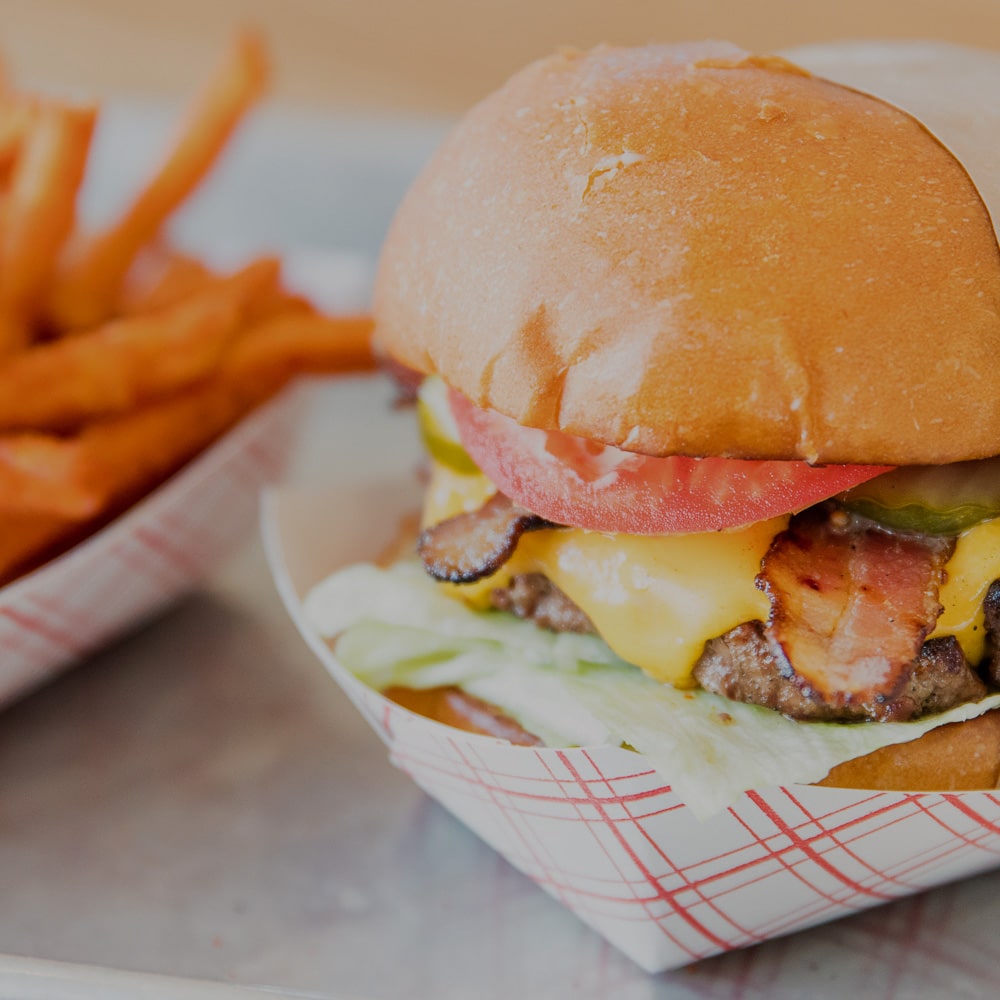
point(603, 834)
point(145, 559)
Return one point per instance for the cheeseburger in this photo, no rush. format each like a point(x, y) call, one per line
point(708, 349)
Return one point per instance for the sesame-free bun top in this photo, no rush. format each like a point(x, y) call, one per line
point(690, 250)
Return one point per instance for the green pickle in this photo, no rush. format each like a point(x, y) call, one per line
point(438, 427)
point(930, 499)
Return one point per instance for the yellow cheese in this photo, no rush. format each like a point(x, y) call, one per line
point(974, 565)
point(450, 493)
point(656, 601)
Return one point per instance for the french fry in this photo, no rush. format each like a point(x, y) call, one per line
point(105, 468)
point(122, 459)
point(129, 362)
point(121, 358)
point(161, 278)
point(15, 116)
point(297, 343)
point(86, 289)
point(41, 474)
point(28, 540)
point(113, 463)
point(280, 303)
point(39, 212)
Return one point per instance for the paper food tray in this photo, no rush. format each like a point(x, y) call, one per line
point(596, 827)
point(146, 558)
point(604, 834)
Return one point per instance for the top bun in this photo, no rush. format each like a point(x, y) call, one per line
point(691, 250)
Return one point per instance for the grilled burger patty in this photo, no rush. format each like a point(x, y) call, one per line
point(742, 664)
point(819, 576)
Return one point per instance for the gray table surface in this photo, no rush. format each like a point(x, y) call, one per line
point(201, 800)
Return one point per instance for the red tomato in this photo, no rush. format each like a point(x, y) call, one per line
point(570, 480)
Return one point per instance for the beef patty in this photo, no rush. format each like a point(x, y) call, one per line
point(744, 666)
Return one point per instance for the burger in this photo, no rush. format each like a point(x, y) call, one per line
point(707, 349)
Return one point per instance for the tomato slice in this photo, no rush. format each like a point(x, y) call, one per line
point(570, 480)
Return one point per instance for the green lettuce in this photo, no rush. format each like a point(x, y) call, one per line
point(395, 626)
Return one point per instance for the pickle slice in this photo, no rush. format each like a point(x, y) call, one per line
point(438, 427)
point(931, 499)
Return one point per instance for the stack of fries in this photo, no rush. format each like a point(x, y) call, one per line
point(120, 359)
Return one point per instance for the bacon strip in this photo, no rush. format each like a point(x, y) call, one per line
point(851, 604)
point(745, 666)
point(468, 547)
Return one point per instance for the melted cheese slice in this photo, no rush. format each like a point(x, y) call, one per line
point(974, 565)
point(656, 601)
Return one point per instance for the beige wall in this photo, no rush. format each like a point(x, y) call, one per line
point(423, 54)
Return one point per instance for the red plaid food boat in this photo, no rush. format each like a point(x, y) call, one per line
point(601, 831)
point(144, 560)
point(597, 827)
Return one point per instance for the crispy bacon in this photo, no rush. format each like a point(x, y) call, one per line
point(470, 546)
point(851, 604)
point(745, 666)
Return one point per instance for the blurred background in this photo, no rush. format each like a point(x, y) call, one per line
point(433, 56)
point(364, 90)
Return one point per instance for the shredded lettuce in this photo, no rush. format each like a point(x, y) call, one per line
point(395, 626)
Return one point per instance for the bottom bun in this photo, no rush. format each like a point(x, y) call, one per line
point(453, 707)
point(960, 757)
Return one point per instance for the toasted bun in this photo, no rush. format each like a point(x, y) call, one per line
point(688, 250)
point(950, 88)
point(962, 756)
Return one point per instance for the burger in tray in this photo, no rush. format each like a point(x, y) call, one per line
point(709, 350)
